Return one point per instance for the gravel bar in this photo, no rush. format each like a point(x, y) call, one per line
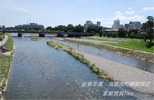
point(124, 73)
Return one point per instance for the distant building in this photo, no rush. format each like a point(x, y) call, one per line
point(117, 25)
point(31, 25)
point(135, 25)
point(90, 23)
point(126, 26)
point(98, 23)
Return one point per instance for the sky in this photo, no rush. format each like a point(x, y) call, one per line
point(64, 12)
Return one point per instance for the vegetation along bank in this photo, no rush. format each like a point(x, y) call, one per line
point(5, 64)
point(121, 48)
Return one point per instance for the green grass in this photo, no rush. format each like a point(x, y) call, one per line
point(5, 63)
point(9, 34)
point(80, 57)
point(9, 43)
point(95, 36)
point(34, 39)
point(135, 44)
point(1, 36)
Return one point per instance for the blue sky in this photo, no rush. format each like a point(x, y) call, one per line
point(63, 12)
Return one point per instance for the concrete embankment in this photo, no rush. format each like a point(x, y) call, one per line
point(137, 79)
point(124, 51)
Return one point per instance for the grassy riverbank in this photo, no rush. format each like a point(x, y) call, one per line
point(9, 43)
point(78, 56)
point(135, 44)
point(110, 46)
point(5, 63)
point(117, 38)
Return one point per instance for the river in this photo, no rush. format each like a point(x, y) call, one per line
point(40, 72)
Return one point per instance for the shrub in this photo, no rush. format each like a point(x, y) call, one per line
point(132, 35)
point(2, 36)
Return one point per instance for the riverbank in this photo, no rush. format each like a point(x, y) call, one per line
point(137, 79)
point(142, 55)
point(5, 64)
point(80, 57)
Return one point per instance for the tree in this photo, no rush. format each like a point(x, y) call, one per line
point(79, 28)
point(148, 28)
point(91, 29)
point(69, 28)
point(127, 36)
point(49, 28)
point(122, 32)
point(60, 28)
point(132, 35)
point(100, 33)
point(104, 34)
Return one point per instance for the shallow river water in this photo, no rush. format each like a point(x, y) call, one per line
point(40, 72)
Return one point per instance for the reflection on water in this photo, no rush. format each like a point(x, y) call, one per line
point(41, 72)
point(144, 65)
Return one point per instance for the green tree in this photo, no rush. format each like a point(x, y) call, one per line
point(91, 29)
point(127, 36)
point(122, 32)
point(115, 34)
point(79, 28)
point(100, 33)
point(148, 28)
point(49, 29)
point(60, 28)
point(69, 28)
point(132, 35)
point(104, 34)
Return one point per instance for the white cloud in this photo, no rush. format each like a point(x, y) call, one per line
point(121, 17)
point(98, 19)
point(129, 12)
point(129, 8)
point(118, 13)
point(148, 8)
point(21, 9)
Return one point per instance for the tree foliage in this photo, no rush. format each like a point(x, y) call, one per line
point(148, 28)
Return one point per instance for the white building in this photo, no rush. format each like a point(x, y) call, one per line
point(90, 23)
point(117, 25)
point(135, 25)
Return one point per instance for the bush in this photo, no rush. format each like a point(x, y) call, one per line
point(139, 36)
point(127, 36)
point(100, 33)
point(132, 35)
point(104, 34)
point(115, 34)
point(2, 36)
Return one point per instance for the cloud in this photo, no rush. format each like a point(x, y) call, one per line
point(21, 9)
point(129, 12)
point(121, 17)
point(148, 8)
point(98, 19)
point(118, 13)
point(129, 8)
